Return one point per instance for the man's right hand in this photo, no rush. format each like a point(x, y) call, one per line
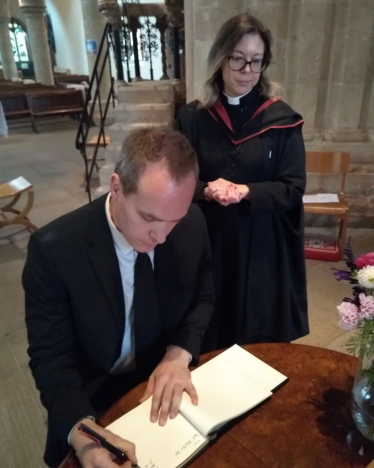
point(92, 456)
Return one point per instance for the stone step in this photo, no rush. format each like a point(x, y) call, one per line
point(357, 184)
point(361, 153)
point(144, 113)
point(119, 131)
point(112, 153)
point(155, 92)
point(104, 174)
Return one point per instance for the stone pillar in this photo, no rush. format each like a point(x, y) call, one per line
point(134, 26)
point(161, 25)
point(6, 51)
point(169, 51)
point(111, 9)
point(175, 19)
point(34, 11)
point(94, 24)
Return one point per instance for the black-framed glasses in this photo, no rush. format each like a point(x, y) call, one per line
point(239, 63)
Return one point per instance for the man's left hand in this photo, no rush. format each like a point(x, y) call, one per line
point(167, 383)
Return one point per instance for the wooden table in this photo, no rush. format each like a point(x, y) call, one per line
point(306, 424)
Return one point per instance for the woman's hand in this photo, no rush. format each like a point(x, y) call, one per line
point(225, 192)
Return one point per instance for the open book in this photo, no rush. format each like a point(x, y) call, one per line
point(228, 386)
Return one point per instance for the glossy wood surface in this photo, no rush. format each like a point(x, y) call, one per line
point(306, 424)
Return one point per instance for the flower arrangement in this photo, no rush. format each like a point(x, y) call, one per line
point(357, 313)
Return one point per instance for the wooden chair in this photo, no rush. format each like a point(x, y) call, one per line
point(14, 190)
point(331, 163)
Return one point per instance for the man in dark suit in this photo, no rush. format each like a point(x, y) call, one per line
point(119, 291)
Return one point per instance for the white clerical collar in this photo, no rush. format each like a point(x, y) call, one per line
point(119, 241)
point(236, 99)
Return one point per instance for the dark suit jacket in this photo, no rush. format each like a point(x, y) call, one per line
point(75, 308)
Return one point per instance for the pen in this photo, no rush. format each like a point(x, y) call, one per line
point(101, 441)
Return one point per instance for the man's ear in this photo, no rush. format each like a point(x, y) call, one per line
point(115, 186)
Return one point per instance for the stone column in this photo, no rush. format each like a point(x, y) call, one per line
point(34, 11)
point(111, 9)
point(6, 51)
point(134, 26)
point(161, 25)
point(175, 19)
point(94, 24)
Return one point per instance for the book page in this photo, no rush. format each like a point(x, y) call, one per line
point(258, 370)
point(158, 447)
point(321, 198)
point(229, 385)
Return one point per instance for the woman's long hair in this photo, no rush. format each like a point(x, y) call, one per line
point(226, 40)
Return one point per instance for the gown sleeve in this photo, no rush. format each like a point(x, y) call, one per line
point(186, 123)
point(289, 179)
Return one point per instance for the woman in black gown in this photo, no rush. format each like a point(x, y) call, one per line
point(252, 178)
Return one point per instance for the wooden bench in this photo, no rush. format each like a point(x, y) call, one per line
point(14, 98)
point(76, 79)
point(14, 190)
point(61, 102)
point(14, 103)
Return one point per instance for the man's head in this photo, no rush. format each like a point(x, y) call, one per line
point(152, 186)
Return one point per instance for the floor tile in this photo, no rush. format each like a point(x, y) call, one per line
point(12, 308)
point(18, 344)
point(323, 320)
point(22, 429)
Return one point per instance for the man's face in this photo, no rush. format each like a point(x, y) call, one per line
point(146, 217)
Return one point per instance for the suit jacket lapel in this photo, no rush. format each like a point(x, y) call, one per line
point(102, 255)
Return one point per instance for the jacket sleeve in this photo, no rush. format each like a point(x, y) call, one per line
point(190, 333)
point(52, 342)
point(288, 184)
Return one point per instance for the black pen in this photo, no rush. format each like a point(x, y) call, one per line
point(101, 441)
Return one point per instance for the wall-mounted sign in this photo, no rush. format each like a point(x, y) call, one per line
point(91, 47)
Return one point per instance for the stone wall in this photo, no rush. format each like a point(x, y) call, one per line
point(323, 54)
point(324, 62)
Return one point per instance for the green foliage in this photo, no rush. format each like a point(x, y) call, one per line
point(363, 340)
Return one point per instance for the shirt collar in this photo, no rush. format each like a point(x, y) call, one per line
point(119, 241)
point(235, 100)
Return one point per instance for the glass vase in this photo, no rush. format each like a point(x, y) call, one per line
point(363, 395)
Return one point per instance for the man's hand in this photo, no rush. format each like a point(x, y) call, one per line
point(167, 383)
point(92, 456)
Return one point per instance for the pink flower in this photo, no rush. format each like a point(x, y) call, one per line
point(365, 260)
point(349, 316)
point(366, 306)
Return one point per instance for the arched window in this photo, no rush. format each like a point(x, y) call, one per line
point(19, 39)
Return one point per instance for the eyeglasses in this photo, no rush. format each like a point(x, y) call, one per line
point(239, 63)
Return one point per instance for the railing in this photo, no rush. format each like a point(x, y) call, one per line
point(93, 100)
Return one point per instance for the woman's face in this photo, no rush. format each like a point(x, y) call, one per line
point(236, 83)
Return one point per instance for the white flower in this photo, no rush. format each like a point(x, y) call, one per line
point(365, 277)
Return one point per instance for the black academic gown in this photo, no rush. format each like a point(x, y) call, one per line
point(257, 245)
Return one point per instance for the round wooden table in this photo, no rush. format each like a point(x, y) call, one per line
point(307, 423)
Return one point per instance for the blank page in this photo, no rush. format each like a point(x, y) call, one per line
point(156, 446)
point(229, 385)
point(262, 373)
point(224, 393)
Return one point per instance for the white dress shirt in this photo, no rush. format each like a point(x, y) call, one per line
point(126, 258)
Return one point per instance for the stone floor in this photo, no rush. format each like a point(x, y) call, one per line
point(52, 164)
